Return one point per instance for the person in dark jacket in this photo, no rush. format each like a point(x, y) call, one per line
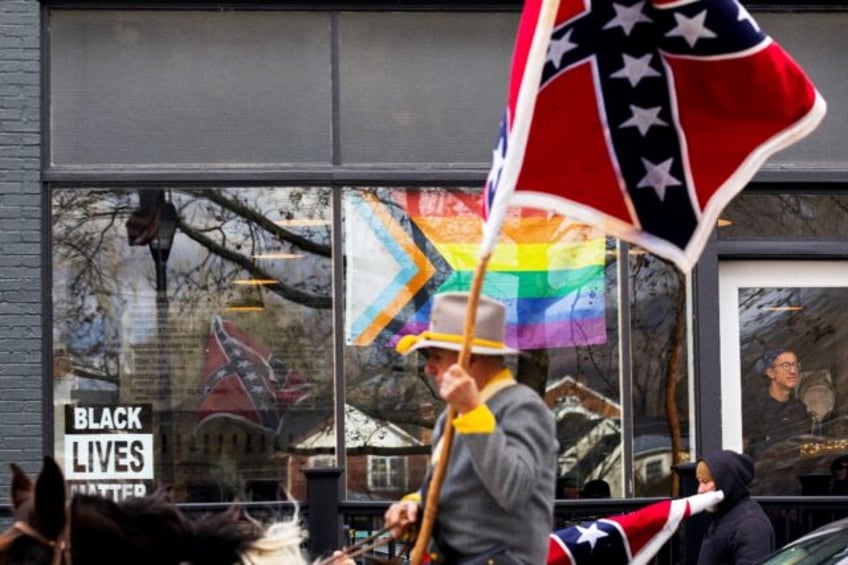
point(739, 532)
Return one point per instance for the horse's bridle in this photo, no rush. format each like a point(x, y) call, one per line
point(61, 545)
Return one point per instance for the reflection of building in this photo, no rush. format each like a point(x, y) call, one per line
point(652, 455)
point(589, 433)
point(383, 460)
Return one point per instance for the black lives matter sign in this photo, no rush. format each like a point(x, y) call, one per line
point(108, 442)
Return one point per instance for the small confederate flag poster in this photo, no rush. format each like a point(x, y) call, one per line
point(643, 118)
point(242, 380)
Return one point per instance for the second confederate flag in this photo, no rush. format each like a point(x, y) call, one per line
point(242, 380)
point(633, 538)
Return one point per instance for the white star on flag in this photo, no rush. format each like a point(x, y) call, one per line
point(745, 15)
point(559, 47)
point(643, 119)
point(691, 29)
point(590, 535)
point(658, 177)
point(635, 69)
point(626, 17)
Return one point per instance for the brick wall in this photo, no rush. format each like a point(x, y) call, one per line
point(21, 370)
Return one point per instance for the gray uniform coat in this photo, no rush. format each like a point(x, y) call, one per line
point(499, 487)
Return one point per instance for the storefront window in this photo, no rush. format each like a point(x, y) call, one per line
point(192, 337)
point(559, 282)
point(785, 362)
point(660, 369)
point(405, 245)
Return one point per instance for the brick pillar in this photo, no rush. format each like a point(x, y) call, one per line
point(23, 372)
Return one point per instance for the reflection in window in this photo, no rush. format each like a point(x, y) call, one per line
point(404, 245)
point(227, 337)
point(224, 331)
point(660, 391)
point(791, 339)
point(386, 473)
point(654, 470)
point(321, 462)
point(771, 215)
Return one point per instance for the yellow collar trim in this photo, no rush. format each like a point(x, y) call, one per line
point(500, 381)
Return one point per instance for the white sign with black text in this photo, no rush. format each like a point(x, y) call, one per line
point(108, 443)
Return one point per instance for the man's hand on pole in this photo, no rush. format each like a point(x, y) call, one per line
point(458, 389)
point(401, 516)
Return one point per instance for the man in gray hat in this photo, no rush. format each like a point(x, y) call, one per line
point(496, 501)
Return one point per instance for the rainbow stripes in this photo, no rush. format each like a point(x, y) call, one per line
point(547, 270)
point(404, 246)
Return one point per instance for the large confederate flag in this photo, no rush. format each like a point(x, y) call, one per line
point(643, 118)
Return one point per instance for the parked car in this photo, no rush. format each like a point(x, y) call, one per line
point(825, 545)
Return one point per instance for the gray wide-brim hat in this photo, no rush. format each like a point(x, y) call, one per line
point(447, 324)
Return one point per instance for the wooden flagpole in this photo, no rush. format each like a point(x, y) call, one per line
point(425, 530)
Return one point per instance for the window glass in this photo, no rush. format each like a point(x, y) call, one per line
point(793, 423)
point(403, 245)
point(192, 334)
point(386, 473)
point(778, 216)
point(218, 347)
point(389, 87)
point(814, 39)
point(784, 371)
point(660, 372)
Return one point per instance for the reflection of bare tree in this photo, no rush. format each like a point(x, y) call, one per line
point(658, 300)
point(97, 270)
point(770, 215)
point(254, 270)
point(258, 219)
point(659, 342)
point(673, 369)
point(84, 307)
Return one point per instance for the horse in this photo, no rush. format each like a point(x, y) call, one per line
point(52, 529)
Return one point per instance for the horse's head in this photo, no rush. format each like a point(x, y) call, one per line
point(93, 530)
point(39, 534)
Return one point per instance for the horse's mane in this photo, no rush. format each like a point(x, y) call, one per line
point(280, 544)
point(145, 530)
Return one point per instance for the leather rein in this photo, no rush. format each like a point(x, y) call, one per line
point(61, 545)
